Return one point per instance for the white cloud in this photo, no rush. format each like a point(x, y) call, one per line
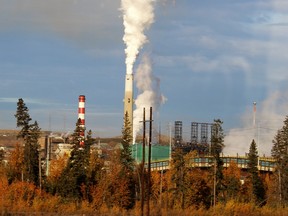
point(83, 20)
point(8, 100)
point(252, 47)
point(28, 101)
point(197, 63)
point(209, 42)
point(222, 64)
point(279, 5)
point(108, 53)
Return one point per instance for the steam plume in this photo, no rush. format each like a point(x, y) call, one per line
point(270, 116)
point(149, 94)
point(138, 15)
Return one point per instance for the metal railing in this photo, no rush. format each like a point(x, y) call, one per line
point(266, 164)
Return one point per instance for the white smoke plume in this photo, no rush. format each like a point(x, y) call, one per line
point(149, 94)
point(270, 115)
point(138, 15)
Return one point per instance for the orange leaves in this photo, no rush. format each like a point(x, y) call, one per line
point(18, 195)
point(113, 185)
point(56, 167)
point(198, 192)
point(232, 171)
point(156, 185)
point(15, 163)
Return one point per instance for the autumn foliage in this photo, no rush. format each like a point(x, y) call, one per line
point(108, 193)
point(86, 182)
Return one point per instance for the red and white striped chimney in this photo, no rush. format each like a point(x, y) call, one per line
point(81, 116)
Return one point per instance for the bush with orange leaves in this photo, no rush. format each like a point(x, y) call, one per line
point(25, 197)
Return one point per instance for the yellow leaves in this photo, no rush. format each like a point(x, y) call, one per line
point(189, 156)
point(232, 170)
point(232, 176)
point(112, 190)
point(113, 185)
point(235, 208)
point(16, 157)
point(18, 195)
point(56, 167)
point(157, 184)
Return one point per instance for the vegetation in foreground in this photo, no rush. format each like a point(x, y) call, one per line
point(85, 183)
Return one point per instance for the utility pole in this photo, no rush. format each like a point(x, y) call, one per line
point(214, 184)
point(149, 162)
point(40, 171)
point(143, 166)
point(161, 177)
point(170, 142)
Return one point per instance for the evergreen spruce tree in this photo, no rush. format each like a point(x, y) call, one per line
point(74, 176)
point(280, 153)
point(126, 160)
point(30, 133)
point(23, 119)
point(88, 172)
point(31, 153)
point(217, 145)
point(88, 143)
point(257, 183)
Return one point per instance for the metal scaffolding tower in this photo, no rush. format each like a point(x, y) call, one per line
point(194, 132)
point(204, 133)
point(178, 132)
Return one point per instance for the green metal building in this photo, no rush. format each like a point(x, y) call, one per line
point(158, 152)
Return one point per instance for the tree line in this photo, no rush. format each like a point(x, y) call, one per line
point(86, 182)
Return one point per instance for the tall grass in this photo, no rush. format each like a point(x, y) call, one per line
point(25, 198)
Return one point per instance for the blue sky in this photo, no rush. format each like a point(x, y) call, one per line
point(213, 58)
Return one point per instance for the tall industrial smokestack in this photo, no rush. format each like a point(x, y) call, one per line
point(128, 99)
point(81, 116)
point(138, 15)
